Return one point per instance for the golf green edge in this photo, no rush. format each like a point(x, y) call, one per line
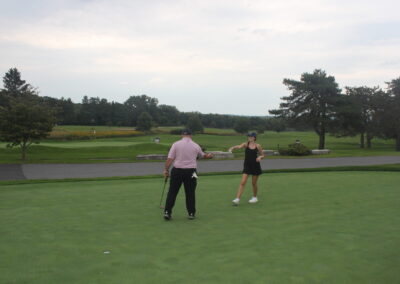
point(377, 168)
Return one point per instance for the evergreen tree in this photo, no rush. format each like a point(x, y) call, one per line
point(25, 118)
point(313, 101)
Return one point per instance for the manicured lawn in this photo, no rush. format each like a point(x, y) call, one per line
point(126, 149)
point(333, 227)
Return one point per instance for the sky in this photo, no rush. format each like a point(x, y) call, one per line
point(210, 56)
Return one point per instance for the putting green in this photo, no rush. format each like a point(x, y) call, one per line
point(333, 227)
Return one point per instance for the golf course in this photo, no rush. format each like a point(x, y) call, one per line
point(200, 142)
point(312, 227)
point(125, 149)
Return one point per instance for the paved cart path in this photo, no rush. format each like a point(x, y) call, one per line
point(61, 171)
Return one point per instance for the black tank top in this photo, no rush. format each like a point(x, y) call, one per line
point(250, 154)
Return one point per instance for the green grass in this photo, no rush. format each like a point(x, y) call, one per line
point(126, 149)
point(334, 227)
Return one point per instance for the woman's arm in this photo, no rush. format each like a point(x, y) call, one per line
point(260, 153)
point(243, 145)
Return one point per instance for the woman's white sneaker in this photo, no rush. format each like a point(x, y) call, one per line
point(253, 200)
point(236, 201)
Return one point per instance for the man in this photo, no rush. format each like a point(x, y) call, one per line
point(183, 154)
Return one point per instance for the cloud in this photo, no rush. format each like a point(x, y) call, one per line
point(223, 45)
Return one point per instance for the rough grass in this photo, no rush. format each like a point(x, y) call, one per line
point(336, 227)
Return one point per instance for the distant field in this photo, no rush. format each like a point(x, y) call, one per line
point(119, 149)
point(90, 128)
point(336, 227)
point(116, 128)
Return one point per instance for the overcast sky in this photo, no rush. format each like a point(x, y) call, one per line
point(211, 56)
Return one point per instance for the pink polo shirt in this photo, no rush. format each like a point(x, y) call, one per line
point(184, 153)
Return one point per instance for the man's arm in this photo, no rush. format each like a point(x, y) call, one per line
point(208, 156)
point(167, 166)
point(170, 159)
point(203, 155)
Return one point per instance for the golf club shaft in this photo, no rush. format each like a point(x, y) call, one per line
point(162, 194)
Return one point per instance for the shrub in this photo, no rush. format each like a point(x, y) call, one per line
point(295, 149)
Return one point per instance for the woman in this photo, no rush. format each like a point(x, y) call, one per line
point(253, 156)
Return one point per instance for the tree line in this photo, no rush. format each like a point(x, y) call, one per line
point(137, 110)
point(133, 112)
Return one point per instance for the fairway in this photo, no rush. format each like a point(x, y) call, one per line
point(333, 227)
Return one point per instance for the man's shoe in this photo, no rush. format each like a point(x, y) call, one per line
point(236, 201)
point(191, 216)
point(167, 216)
point(253, 200)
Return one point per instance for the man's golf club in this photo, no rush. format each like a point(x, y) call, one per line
point(162, 195)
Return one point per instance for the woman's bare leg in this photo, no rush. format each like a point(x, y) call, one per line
point(255, 187)
point(242, 185)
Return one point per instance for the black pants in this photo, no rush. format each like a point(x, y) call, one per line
point(179, 176)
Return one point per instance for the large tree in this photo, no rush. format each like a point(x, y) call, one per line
point(25, 118)
point(312, 101)
point(390, 122)
point(168, 115)
point(138, 104)
point(25, 121)
point(357, 113)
